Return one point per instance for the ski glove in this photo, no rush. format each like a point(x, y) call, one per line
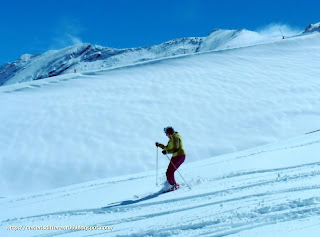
point(158, 144)
point(164, 152)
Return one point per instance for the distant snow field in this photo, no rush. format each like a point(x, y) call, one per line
point(242, 113)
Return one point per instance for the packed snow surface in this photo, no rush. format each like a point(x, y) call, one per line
point(267, 191)
point(80, 127)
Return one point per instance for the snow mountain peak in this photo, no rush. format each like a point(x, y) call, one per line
point(87, 57)
point(312, 28)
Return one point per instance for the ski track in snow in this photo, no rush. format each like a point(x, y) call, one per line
point(224, 205)
point(218, 206)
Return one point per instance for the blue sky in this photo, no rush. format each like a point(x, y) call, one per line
point(39, 25)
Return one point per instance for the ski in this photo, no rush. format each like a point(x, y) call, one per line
point(171, 189)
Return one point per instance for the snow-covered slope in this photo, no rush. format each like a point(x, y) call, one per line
point(267, 191)
point(86, 57)
point(80, 127)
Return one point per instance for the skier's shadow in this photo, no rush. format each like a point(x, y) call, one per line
point(134, 201)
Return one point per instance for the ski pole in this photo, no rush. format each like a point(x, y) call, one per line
point(157, 168)
point(178, 172)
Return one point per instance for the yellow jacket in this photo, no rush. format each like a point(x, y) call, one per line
point(175, 145)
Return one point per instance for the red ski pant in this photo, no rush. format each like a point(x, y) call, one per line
point(173, 166)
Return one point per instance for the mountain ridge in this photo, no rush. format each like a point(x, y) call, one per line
point(86, 57)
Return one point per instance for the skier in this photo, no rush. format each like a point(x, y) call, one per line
point(174, 147)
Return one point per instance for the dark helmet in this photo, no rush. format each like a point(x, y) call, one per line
point(169, 130)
